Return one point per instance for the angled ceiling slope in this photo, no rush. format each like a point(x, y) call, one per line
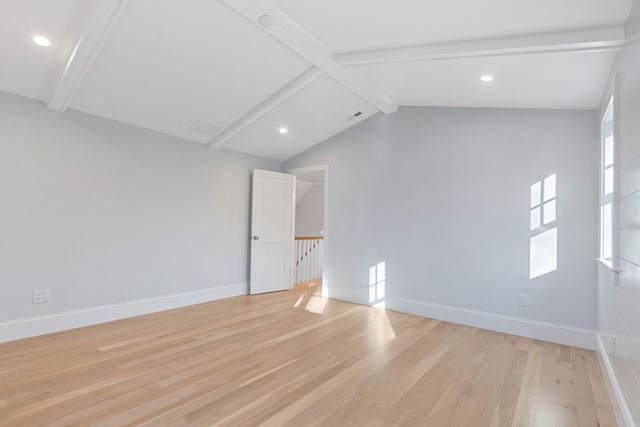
point(273, 78)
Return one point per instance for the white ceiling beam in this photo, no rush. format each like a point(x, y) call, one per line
point(289, 91)
point(281, 27)
point(85, 52)
point(572, 41)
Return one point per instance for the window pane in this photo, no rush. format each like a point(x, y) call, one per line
point(608, 151)
point(535, 218)
point(536, 194)
point(380, 290)
point(606, 231)
point(543, 253)
point(381, 274)
point(550, 187)
point(608, 181)
point(549, 212)
point(607, 177)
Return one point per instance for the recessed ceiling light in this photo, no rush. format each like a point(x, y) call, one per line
point(486, 78)
point(41, 41)
point(284, 130)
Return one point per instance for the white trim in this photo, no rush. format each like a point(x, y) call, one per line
point(618, 401)
point(561, 334)
point(606, 263)
point(347, 295)
point(631, 39)
point(603, 39)
point(297, 85)
point(304, 44)
point(56, 322)
point(84, 54)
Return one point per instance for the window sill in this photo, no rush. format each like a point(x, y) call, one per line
point(606, 262)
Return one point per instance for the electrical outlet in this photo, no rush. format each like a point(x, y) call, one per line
point(41, 295)
point(523, 300)
point(226, 272)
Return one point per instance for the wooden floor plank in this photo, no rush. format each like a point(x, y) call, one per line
point(435, 395)
point(487, 382)
point(602, 405)
point(585, 403)
point(295, 358)
point(567, 412)
point(384, 392)
point(526, 404)
point(546, 395)
point(503, 415)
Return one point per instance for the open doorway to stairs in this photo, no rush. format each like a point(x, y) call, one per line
point(311, 224)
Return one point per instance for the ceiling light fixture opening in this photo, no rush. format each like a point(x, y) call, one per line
point(486, 78)
point(41, 41)
point(284, 130)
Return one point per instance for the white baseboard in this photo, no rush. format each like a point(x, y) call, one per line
point(561, 334)
point(33, 326)
point(618, 401)
point(348, 295)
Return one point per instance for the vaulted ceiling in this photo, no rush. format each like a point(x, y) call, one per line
point(233, 73)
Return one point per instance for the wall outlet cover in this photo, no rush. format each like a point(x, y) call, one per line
point(523, 300)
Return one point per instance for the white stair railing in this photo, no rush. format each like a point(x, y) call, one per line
point(308, 260)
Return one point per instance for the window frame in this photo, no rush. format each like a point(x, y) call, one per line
point(610, 198)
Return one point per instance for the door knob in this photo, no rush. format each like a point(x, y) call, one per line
point(255, 238)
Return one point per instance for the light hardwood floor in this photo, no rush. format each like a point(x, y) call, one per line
point(294, 358)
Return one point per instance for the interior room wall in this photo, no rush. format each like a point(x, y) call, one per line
point(619, 306)
point(441, 196)
point(102, 213)
point(310, 212)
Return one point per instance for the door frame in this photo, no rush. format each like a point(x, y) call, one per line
point(325, 225)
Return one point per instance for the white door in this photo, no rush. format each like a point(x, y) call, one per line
point(271, 232)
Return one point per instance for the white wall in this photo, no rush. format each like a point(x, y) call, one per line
point(104, 213)
point(619, 306)
point(310, 212)
point(441, 195)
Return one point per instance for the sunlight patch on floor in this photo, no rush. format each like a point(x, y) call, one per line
point(316, 304)
point(382, 326)
point(312, 295)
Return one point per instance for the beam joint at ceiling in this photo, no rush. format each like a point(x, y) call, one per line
point(281, 27)
point(571, 41)
point(302, 82)
point(85, 52)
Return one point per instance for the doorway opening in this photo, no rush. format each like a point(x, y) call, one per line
point(310, 229)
